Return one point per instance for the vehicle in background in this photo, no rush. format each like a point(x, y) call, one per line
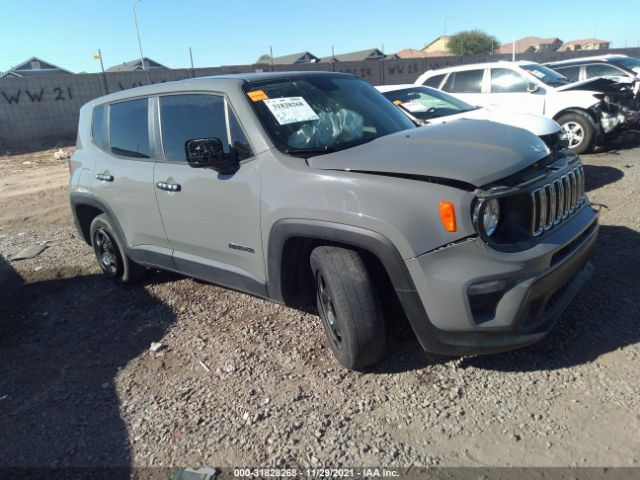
point(619, 68)
point(428, 106)
point(587, 117)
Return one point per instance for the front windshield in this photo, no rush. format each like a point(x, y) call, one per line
point(425, 103)
point(323, 113)
point(632, 63)
point(545, 74)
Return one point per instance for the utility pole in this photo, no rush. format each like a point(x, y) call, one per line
point(445, 31)
point(193, 72)
point(271, 56)
point(513, 48)
point(102, 64)
point(135, 21)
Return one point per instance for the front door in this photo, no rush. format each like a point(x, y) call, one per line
point(510, 92)
point(212, 220)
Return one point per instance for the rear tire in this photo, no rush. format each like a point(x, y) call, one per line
point(348, 306)
point(110, 253)
point(580, 129)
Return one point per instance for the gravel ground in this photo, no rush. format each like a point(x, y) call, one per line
point(241, 381)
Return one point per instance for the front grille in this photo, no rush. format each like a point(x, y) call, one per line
point(553, 202)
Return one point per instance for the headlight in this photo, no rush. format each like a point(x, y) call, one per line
point(490, 216)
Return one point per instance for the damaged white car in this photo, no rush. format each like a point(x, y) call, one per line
point(586, 117)
point(428, 106)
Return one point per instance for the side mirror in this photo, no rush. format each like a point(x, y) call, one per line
point(532, 87)
point(209, 153)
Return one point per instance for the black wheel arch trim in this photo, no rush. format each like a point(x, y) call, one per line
point(78, 199)
point(358, 237)
point(140, 256)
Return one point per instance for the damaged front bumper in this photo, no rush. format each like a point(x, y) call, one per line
point(617, 115)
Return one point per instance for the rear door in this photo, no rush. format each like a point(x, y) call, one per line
point(509, 91)
point(124, 173)
point(213, 220)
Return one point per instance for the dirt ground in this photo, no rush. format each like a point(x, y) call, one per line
point(242, 381)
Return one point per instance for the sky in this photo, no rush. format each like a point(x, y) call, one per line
point(68, 32)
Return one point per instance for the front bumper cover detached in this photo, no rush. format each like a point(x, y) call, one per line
point(536, 286)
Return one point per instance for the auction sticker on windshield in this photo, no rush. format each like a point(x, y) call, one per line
point(290, 110)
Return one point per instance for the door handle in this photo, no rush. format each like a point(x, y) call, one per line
point(169, 187)
point(103, 177)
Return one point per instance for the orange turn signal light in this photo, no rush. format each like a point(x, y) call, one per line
point(448, 216)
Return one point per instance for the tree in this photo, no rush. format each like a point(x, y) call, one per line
point(472, 42)
point(264, 58)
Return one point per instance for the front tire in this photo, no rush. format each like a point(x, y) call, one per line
point(348, 306)
point(579, 129)
point(110, 254)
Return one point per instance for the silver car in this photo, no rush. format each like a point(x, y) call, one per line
point(313, 190)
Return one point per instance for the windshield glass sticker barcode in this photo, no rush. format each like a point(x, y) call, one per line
point(288, 110)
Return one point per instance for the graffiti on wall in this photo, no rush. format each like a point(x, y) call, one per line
point(57, 94)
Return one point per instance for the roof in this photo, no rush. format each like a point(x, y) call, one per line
point(354, 56)
point(582, 42)
point(472, 66)
point(133, 65)
point(215, 82)
point(293, 58)
point(525, 43)
point(585, 41)
point(413, 53)
point(46, 68)
point(580, 60)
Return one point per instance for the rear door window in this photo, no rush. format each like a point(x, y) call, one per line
point(505, 80)
point(129, 128)
point(193, 116)
point(468, 81)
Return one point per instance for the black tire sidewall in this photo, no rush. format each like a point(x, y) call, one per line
point(363, 337)
point(101, 222)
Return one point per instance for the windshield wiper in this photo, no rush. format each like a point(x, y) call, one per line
point(310, 151)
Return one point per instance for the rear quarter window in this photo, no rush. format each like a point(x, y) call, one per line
point(97, 127)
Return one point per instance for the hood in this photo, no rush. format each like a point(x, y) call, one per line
point(534, 123)
point(599, 84)
point(475, 152)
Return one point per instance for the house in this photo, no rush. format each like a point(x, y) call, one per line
point(135, 65)
point(438, 47)
point(295, 58)
point(531, 45)
point(369, 54)
point(411, 53)
point(414, 53)
point(35, 67)
point(585, 44)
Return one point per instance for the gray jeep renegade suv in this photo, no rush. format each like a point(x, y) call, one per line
point(312, 189)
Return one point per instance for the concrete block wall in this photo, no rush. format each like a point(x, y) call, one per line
point(42, 110)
